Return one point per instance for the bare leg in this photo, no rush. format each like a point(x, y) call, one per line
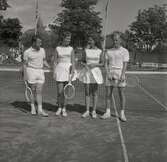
point(109, 91)
point(87, 100)
point(122, 102)
point(32, 99)
point(95, 99)
point(60, 97)
point(39, 88)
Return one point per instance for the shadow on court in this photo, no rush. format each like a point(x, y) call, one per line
point(25, 107)
point(27, 138)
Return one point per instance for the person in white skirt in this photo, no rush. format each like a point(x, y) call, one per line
point(63, 60)
point(34, 59)
point(91, 75)
point(116, 65)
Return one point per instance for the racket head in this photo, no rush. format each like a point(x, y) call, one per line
point(69, 91)
point(28, 92)
point(132, 81)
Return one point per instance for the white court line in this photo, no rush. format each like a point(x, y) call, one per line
point(154, 98)
point(125, 153)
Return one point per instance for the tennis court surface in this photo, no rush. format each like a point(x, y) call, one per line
point(26, 138)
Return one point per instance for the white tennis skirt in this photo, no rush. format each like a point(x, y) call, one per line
point(91, 76)
point(61, 72)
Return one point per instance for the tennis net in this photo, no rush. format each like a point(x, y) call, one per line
point(148, 94)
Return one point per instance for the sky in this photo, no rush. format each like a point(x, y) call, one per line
point(121, 13)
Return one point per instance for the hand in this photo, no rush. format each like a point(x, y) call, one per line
point(49, 67)
point(110, 77)
point(122, 78)
point(91, 66)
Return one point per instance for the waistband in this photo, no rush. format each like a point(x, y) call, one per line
point(34, 67)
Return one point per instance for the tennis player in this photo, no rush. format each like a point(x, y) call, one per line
point(116, 65)
point(91, 75)
point(63, 59)
point(34, 60)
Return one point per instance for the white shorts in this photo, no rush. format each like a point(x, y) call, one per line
point(116, 73)
point(34, 76)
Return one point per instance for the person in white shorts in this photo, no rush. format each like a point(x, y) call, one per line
point(63, 60)
point(116, 65)
point(91, 75)
point(34, 59)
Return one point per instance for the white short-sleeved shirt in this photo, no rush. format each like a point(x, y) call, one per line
point(34, 58)
point(116, 57)
point(64, 54)
point(93, 56)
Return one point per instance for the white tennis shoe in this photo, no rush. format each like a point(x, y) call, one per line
point(43, 113)
point(94, 115)
point(85, 114)
point(122, 116)
point(58, 112)
point(64, 112)
point(106, 115)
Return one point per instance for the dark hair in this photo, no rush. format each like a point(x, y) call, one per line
point(34, 38)
point(96, 40)
point(117, 33)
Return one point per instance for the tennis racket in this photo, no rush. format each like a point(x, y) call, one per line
point(69, 89)
point(28, 92)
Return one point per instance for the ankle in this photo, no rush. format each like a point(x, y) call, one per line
point(108, 111)
point(40, 108)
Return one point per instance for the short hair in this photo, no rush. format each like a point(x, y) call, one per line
point(34, 38)
point(67, 34)
point(117, 33)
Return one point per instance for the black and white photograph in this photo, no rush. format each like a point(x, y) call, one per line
point(83, 80)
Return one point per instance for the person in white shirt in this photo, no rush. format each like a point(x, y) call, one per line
point(34, 59)
point(91, 75)
point(63, 61)
point(116, 65)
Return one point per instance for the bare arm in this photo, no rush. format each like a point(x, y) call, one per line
point(73, 61)
point(46, 63)
point(123, 70)
point(55, 59)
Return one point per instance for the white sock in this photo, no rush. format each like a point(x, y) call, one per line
point(40, 108)
point(64, 109)
point(32, 107)
point(108, 111)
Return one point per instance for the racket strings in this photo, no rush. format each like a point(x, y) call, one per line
point(69, 91)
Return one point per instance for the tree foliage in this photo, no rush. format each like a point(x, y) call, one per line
point(79, 18)
point(49, 39)
point(4, 5)
point(150, 27)
point(10, 31)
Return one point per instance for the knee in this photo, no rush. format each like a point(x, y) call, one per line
point(60, 89)
point(38, 90)
point(87, 91)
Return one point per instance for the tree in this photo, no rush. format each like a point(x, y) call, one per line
point(10, 31)
point(49, 39)
point(79, 18)
point(150, 27)
point(4, 5)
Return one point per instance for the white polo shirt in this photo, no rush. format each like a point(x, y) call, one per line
point(116, 57)
point(34, 58)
